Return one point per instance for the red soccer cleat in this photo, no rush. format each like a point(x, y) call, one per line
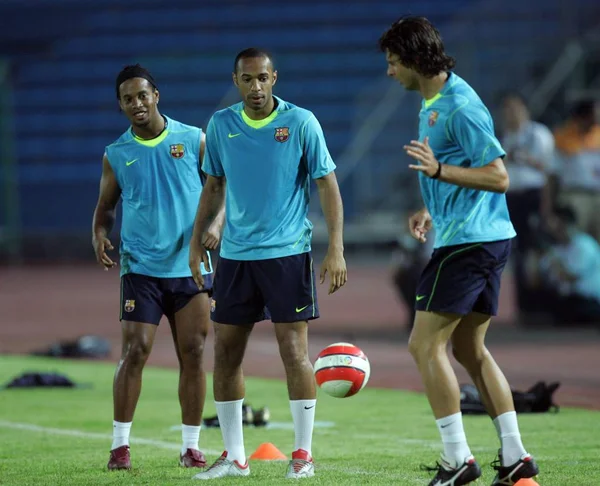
point(119, 458)
point(192, 458)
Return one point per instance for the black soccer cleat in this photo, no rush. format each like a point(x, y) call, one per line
point(524, 468)
point(448, 476)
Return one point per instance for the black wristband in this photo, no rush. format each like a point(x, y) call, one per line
point(439, 171)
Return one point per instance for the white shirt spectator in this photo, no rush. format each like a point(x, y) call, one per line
point(533, 140)
point(580, 171)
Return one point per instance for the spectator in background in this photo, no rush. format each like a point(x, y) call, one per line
point(578, 164)
point(529, 147)
point(569, 272)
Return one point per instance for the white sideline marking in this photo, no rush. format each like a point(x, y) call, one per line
point(168, 445)
point(95, 435)
point(290, 426)
point(276, 425)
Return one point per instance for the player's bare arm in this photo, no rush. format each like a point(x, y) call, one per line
point(419, 224)
point(331, 203)
point(211, 202)
point(492, 177)
point(215, 230)
point(104, 215)
point(212, 237)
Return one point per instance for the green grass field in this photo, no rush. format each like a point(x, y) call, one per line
point(62, 437)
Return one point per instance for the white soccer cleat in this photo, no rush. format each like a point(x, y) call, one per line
point(301, 465)
point(223, 468)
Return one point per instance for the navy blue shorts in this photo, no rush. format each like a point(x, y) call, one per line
point(147, 299)
point(463, 278)
point(281, 289)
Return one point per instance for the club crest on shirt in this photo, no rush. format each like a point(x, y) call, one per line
point(213, 305)
point(129, 305)
point(177, 150)
point(282, 134)
point(433, 116)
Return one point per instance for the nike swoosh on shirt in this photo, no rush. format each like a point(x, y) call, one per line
point(420, 297)
point(233, 135)
point(128, 163)
point(301, 308)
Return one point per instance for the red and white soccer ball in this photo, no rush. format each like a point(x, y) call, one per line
point(342, 370)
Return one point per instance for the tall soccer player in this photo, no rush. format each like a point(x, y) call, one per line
point(463, 181)
point(154, 168)
point(266, 150)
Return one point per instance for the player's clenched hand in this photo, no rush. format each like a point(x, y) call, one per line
point(211, 238)
point(101, 245)
point(422, 153)
point(335, 264)
point(419, 224)
point(198, 255)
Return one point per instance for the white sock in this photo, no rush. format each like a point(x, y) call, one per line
point(121, 432)
point(230, 421)
point(303, 416)
point(454, 439)
point(510, 438)
point(190, 435)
